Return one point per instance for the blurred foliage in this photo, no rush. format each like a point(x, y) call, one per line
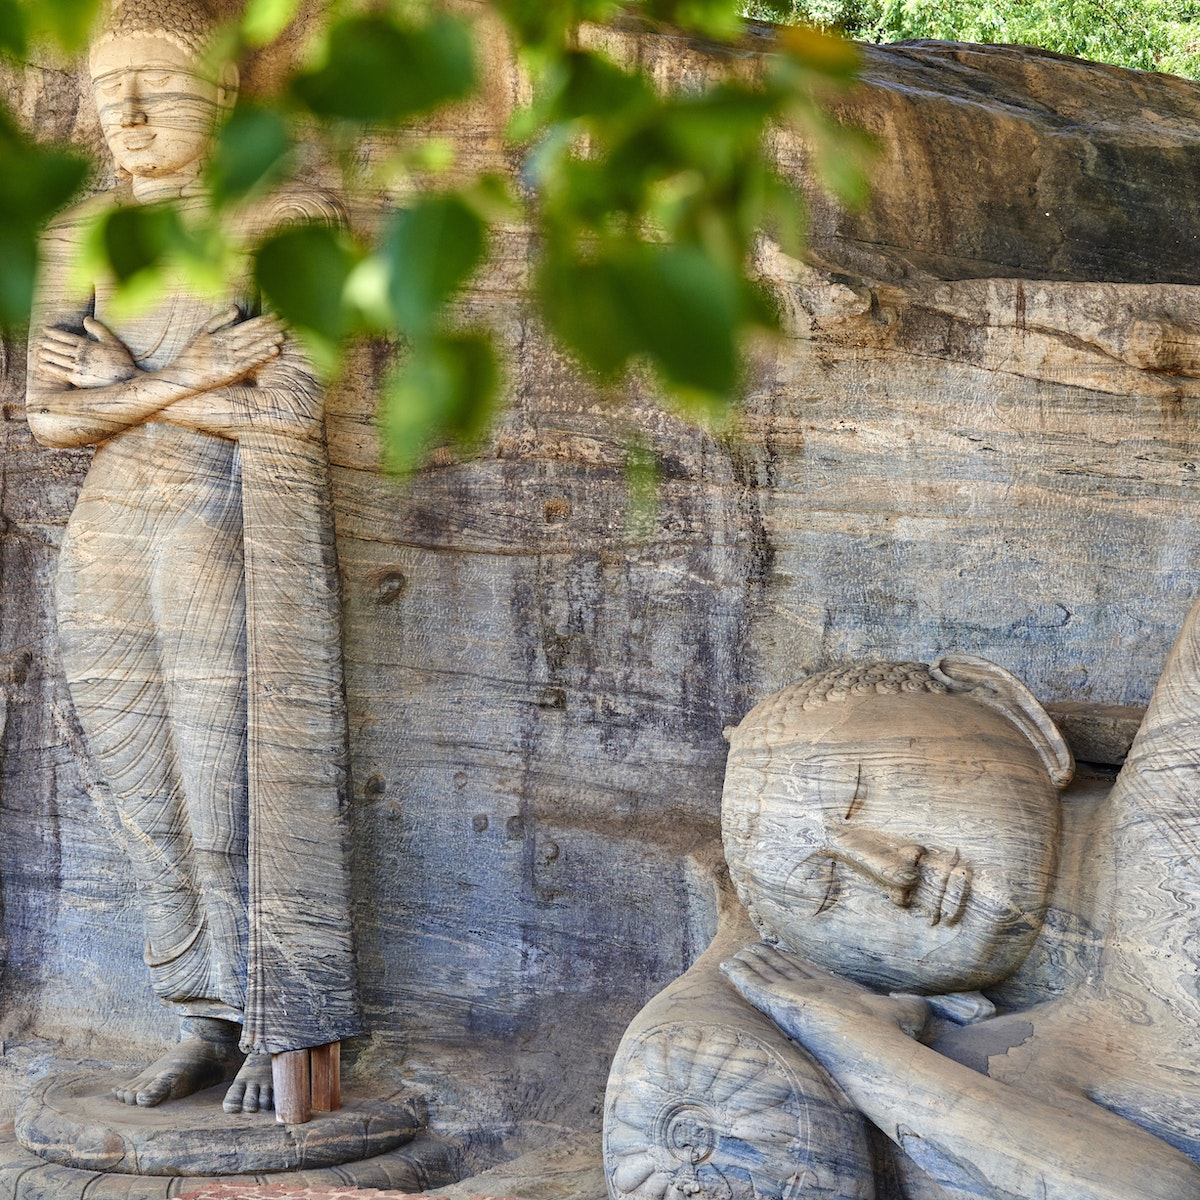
point(1149, 35)
point(35, 182)
point(644, 205)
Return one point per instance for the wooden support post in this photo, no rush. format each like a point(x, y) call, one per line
point(293, 1087)
point(327, 1077)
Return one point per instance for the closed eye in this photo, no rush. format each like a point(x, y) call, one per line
point(832, 889)
point(860, 795)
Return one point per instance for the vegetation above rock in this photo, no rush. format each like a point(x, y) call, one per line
point(1149, 35)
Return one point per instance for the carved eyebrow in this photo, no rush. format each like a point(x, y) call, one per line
point(832, 889)
point(860, 794)
point(146, 71)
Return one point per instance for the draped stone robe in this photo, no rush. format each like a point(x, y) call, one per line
point(199, 620)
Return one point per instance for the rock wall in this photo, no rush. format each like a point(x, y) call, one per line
point(979, 433)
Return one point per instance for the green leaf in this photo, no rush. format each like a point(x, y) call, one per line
point(379, 70)
point(587, 306)
point(593, 87)
point(251, 153)
point(431, 249)
point(19, 253)
point(713, 18)
point(686, 309)
point(786, 214)
point(264, 20)
point(491, 196)
point(139, 237)
point(146, 249)
point(643, 481)
point(14, 37)
point(35, 181)
point(448, 386)
point(302, 272)
point(712, 129)
point(67, 22)
point(547, 28)
point(824, 53)
point(673, 305)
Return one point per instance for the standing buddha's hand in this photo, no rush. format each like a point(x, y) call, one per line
point(226, 350)
point(98, 360)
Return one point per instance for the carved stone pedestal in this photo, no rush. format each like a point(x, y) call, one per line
point(73, 1120)
point(424, 1163)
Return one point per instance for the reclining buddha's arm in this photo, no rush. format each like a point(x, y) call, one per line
point(973, 1134)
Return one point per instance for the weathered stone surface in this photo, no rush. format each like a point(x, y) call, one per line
point(75, 1121)
point(1010, 161)
point(569, 1170)
point(416, 1167)
point(537, 691)
point(1098, 733)
point(237, 1191)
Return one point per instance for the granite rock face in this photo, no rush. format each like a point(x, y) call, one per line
point(1003, 160)
point(980, 434)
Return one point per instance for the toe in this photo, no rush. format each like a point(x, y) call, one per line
point(250, 1102)
point(234, 1098)
point(152, 1095)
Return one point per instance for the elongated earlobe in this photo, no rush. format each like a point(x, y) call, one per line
point(993, 686)
point(227, 89)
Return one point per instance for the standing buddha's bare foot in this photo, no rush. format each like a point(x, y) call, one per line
point(252, 1089)
point(206, 1054)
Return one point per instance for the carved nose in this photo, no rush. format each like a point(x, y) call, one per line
point(890, 862)
point(132, 111)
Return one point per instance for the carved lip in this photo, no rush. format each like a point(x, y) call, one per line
point(953, 891)
point(138, 141)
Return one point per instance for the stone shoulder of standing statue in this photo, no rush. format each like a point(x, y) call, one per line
point(296, 204)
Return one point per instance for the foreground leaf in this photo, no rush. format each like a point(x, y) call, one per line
point(35, 183)
point(139, 238)
point(251, 153)
point(14, 38)
point(264, 20)
point(379, 70)
point(674, 306)
point(446, 388)
point(302, 272)
point(430, 250)
point(67, 22)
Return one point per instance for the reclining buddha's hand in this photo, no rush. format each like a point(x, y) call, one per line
point(813, 1006)
point(97, 360)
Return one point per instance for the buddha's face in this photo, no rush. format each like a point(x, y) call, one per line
point(906, 841)
point(158, 108)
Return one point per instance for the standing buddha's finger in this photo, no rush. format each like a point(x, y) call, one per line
point(61, 337)
point(223, 319)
